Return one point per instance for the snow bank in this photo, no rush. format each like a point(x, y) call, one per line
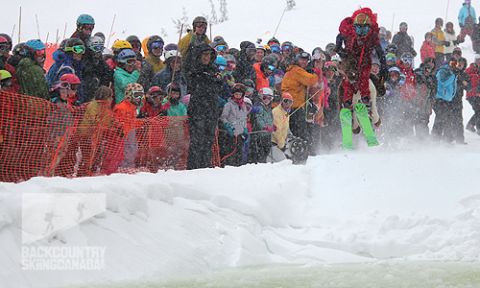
point(341, 208)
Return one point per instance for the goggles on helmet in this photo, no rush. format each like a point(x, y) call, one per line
point(77, 49)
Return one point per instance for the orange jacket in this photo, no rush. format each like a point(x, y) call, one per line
point(126, 113)
point(296, 82)
point(261, 80)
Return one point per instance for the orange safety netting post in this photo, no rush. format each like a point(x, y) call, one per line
point(38, 138)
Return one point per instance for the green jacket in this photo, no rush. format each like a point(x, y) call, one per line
point(178, 110)
point(31, 78)
point(121, 79)
point(262, 118)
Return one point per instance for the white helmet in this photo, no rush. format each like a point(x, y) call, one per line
point(266, 91)
point(171, 53)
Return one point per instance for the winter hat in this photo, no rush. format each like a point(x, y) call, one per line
point(70, 79)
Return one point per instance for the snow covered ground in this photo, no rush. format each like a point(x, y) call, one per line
point(369, 218)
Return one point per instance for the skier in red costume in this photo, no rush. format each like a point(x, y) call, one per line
point(357, 41)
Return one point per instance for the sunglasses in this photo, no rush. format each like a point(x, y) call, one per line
point(157, 45)
point(287, 101)
point(88, 27)
point(221, 48)
point(97, 48)
point(77, 49)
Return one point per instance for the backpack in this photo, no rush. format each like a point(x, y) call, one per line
point(446, 84)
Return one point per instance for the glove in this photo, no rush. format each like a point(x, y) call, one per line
point(366, 100)
point(228, 127)
point(269, 129)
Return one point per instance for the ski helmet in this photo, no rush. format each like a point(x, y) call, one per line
point(7, 41)
point(171, 54)
point(125, 55)
point(101, 35)
point(403, 25)
point(96, 44)
point(71, 79)
point(154, 41)
point(394, 69)
point(4, 74)
point(17, 49)
point(362, 19)
point(302, 55)
point(272, 41)
point(85, 19)
point(269, 62)
point(238, 87)
point(135, 42)
point(330, 48)
point(120, 45)
point(132, 89)
point(407, 58)
point(266, 91)
point(199, 20)
point(35, 45)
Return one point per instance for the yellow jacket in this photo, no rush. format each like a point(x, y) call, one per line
point(281, 119)
point(438, 39)
point(185, 43)
point(295, 82)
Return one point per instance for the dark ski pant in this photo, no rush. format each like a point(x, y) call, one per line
point(260, 147)
point(448, 124)
point(202, 137)
point(298, 125)
point(475, 120)
point(231, 149)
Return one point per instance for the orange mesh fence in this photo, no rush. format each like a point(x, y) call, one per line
point(39, 138)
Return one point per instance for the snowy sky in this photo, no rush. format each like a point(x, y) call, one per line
point(311, 23)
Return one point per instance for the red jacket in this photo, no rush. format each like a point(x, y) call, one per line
point(148, 110)
point(427, 50)
point(408, 90)
point(126, 113)
point(474, 72)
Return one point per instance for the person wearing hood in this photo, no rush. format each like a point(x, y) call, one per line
point(473, 96)
point(30, 73)
point(173, 62)
point(68, 61)
point(193, 39)
point(452, 81)
point(245, 62)
point(234, 132)
point(125, 73)
point(96, 72)
point(152, 64)
point(403, 41)
point(467, 20)
point(206, 85)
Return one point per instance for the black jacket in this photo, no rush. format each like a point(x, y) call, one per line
point(205, 85)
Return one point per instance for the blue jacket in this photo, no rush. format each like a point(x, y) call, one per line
point(464, 13)
point(64, 64)
point(446, 83)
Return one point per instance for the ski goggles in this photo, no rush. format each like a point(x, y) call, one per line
point(4, 47)
point(97, 48)
point(287, 48)
point(128, 61)
point(156, 94)
point(88, 27)
point(68, 86)
point(287, 101)
point(136, 44)
point(77, 49)
point(221, 48)
point(271, 68)
point(275, 49)
point(137, 95)
point(361, 29)
point(157, 45)
point(267, 97)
